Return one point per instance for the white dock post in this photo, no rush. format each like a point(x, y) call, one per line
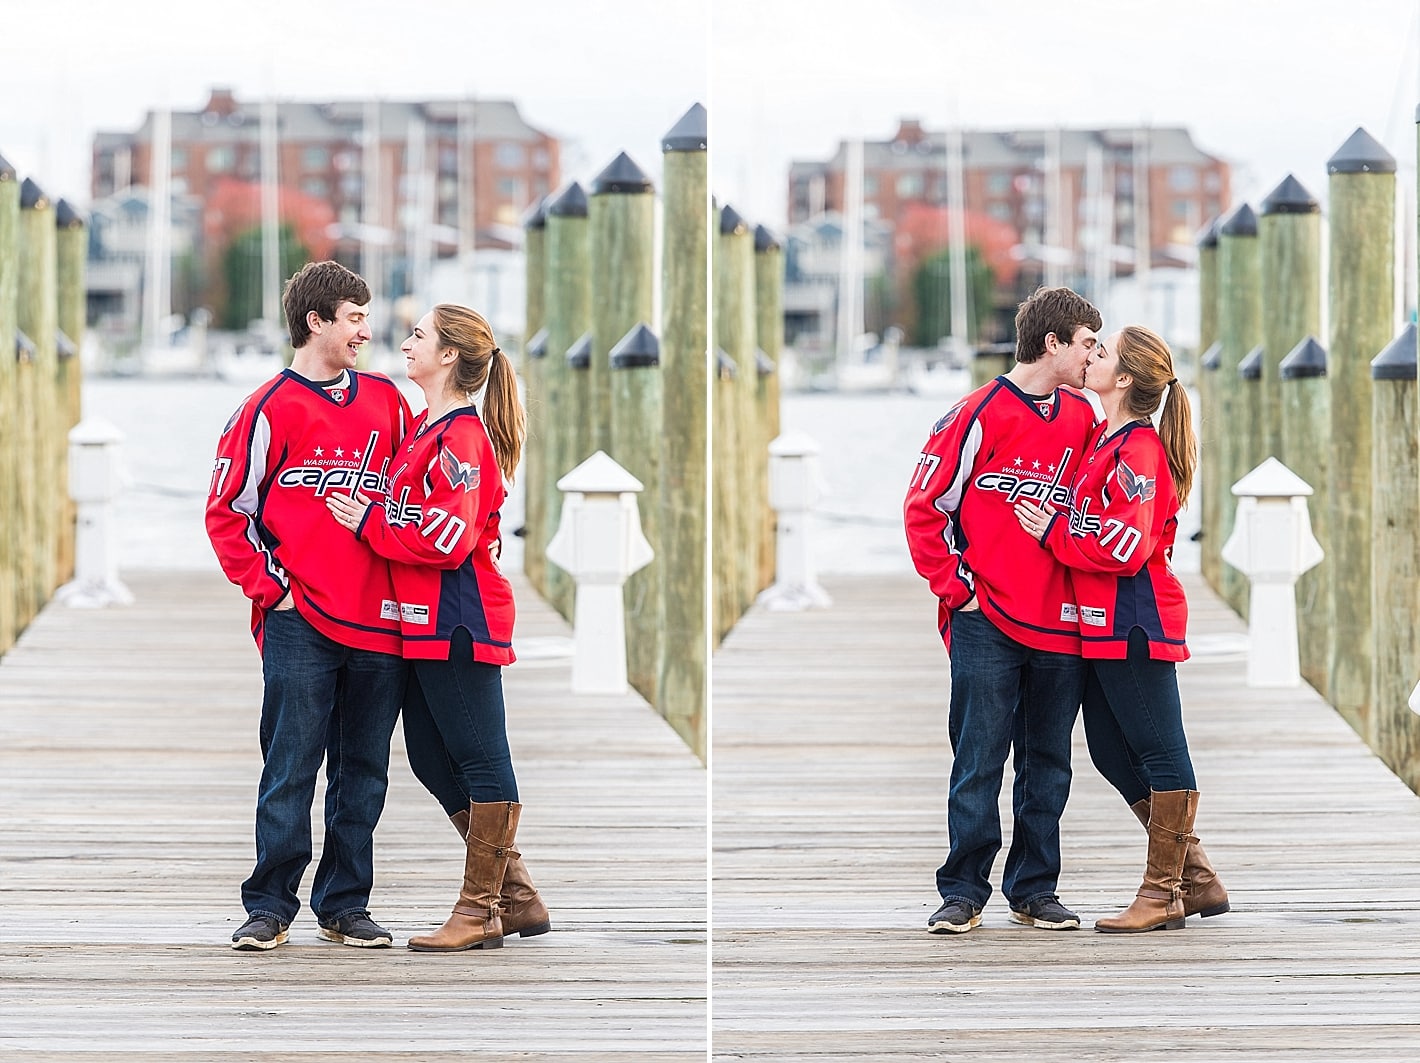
point(93, 485)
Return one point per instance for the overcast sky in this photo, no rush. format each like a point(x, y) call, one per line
point(1273, 88)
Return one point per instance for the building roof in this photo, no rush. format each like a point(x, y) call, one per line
point(1008, 149)
point(225, 120)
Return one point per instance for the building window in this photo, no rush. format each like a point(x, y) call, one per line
point(999, 210)
point(220, 159)
point(998, 183)
point(315, 158)
point(539, 159)
point(870, 184)
point(315, 186)
point(1182, 179)
point(179, 158)
point(909, 186)
point(510, 189)
point(510, 157)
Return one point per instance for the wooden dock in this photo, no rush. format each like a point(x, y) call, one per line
point(128, 773)
point(830, 769)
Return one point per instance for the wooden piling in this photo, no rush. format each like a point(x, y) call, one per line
point(1207, 415)
point(1306, 418)
point(37, 319)
point(71, 252)
point(534, 471)
point(734, 334)
point(769, 337)
point(1394, 730)
point(10, 448)
point(636, 442)
point(1210, 464)
point(621, 219)
point(725, 477)
point(685, 382)
point(1361, 282)
point(1289, 238)
point(1240, 330)
point(568, 313)
point(1250, 434)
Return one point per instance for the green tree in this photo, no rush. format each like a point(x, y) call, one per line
point(931, 287)
point(241, 266)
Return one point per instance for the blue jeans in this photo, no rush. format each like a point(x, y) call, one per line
point(321, 699)
point(455, 729)
point(1134, 723)
point(1005, 694)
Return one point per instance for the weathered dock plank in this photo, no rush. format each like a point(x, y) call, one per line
point(128, 771)
point(829, 790)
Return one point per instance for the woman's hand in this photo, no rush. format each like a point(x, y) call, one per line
point(1034, 518)
point(348, 510)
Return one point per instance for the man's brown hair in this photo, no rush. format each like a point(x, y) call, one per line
point(1057, 310)
point(320, 286)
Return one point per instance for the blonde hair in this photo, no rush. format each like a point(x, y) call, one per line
point(1146, 357)
point(482, 365)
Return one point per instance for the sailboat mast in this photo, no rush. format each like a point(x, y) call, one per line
point(850, 262)
point(157, 296)
point(270, 232)
point(956, 240)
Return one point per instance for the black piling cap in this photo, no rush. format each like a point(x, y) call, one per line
point(725, 365)
point(1241, 222)
point(1209, 236)
point(731, 224)
point(537, 346)
point(1361, 154)
point(1213, 356)
point(1397, 361)
point(1307, 359)
point(31, 195)
point(579, 355)
point(25, 349)
point(690, 133)
point(1290, 198)
point(66, 217)
point(1250, 368)
point(638, 349)
point(765, 240)
point(63, 345)
point(7, 172)
point(763, 363)
point(571, 203)
point(621, 175)
point(536, 217)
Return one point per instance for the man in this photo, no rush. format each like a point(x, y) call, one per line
point(324, 613)
point(1005, 610)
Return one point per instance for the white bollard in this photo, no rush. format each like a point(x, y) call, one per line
point(599, 544)
point(794, 490)
point(1272, 544)
point(93, 485)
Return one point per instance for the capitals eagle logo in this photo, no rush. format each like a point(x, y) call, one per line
point(460, 473)
point(1136, 488)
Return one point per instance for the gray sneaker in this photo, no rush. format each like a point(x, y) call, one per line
point(260, 932)
point(955, 916)
point(1047, 913)
point(358, 929)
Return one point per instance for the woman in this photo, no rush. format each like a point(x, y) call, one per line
point(439, 529)
point(1117, 541)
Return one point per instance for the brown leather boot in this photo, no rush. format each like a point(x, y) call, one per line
point(522, 909)
point(1158, 905)
point(1203, 892)
point(475, 922)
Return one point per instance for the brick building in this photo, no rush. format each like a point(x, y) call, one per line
point(1012, 177)
point(482, 166)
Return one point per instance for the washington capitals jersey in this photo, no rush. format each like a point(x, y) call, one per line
point(1118, 541)
point(289, 444)
point(993, 448)
point(439, 528)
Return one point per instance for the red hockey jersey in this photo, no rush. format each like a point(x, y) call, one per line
point(1118, 541)
point(439, 529)
point(289, 444)
point(996, 446)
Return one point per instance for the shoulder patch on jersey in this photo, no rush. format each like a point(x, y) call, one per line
point(1136, 488)
point(948, 417)
point(233, 419)
point(460, 473)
